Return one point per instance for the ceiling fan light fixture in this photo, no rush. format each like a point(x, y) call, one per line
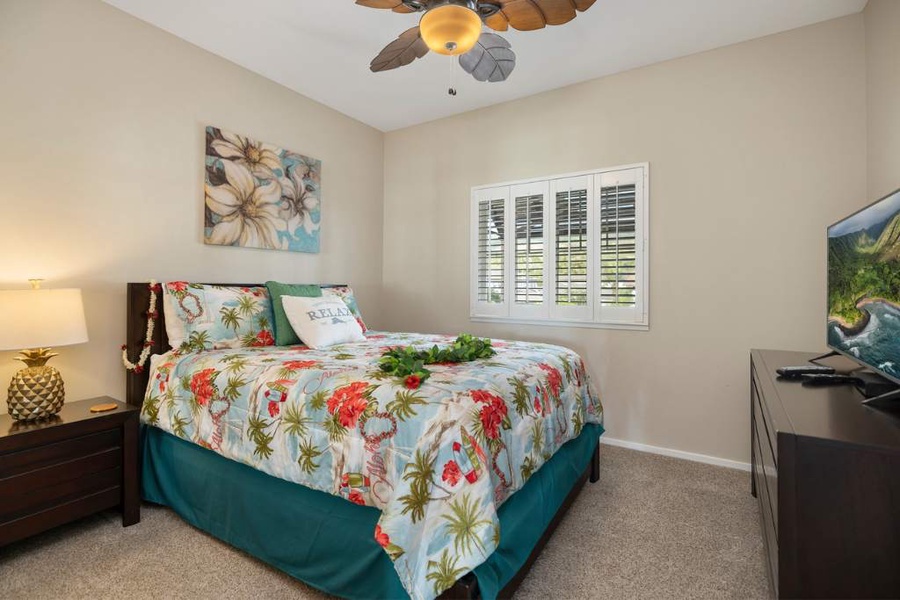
point(451, 28)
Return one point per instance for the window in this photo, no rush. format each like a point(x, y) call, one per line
point(576, 252)
point(490, 250)
point(529, 249)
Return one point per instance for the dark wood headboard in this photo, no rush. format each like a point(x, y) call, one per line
point(138, 299)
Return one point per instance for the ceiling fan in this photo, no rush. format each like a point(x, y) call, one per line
point(453, 27)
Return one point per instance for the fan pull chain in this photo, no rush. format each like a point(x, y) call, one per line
point(452, 90)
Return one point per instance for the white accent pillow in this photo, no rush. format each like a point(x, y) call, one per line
point(323, 321)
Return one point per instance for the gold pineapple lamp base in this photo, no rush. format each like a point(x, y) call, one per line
point(37, 391)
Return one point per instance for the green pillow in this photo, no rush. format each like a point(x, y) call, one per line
point(284, 333)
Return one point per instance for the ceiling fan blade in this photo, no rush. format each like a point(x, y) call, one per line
point(497, 22)
point(491, 59)
point(408, 46)
point(523, 15)
point(380, 3)
point(528, 15)
point(556, 12)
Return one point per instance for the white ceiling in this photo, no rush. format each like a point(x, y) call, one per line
point(322, 48)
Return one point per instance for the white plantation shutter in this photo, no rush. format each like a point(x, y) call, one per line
point(491, 228)
point(620, 243)
point(617, 251)
point(530, 250)
point(572, 251)
point(569, 250)
point(489, 233)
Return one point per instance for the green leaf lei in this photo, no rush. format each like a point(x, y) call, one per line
point(408, 361)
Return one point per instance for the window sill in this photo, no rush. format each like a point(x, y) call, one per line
point(561, 323)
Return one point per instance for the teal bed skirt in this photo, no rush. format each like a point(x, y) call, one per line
point(326, 541)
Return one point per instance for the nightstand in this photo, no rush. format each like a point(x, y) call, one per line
point(70, 466)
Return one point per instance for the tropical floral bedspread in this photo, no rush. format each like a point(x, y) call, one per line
point(437, 460)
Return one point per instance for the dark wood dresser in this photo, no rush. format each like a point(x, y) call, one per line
point(57, 470)
point(826, 471)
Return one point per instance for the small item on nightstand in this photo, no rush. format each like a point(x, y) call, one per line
point(98, 408)
point(799, 372)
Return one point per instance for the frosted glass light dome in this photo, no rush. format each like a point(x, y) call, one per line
point(450, 29)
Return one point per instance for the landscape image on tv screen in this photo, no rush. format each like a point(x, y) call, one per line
point(864, 285)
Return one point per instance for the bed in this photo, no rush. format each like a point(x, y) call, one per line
point(315, 462)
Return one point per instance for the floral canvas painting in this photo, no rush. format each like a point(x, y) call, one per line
point(259, 195)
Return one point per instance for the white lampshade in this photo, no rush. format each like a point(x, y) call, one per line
point(41, 318)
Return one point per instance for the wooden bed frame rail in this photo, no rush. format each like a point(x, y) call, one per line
point(135, 330)
point(466, 588)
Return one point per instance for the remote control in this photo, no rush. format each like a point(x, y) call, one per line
point(826, 379)
point(799, 372)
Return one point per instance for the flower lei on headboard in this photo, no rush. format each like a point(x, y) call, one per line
point(152, 315)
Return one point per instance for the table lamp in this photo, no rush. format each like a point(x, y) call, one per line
point(35, 319)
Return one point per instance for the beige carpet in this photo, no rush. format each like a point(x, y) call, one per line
point(652, 527)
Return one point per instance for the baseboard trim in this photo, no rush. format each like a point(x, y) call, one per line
point(701, 458)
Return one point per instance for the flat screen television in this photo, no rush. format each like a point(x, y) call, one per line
point(864, 286)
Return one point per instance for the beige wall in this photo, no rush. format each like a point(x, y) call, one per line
point(753, 150)
point(882, 19)
point(101, 170)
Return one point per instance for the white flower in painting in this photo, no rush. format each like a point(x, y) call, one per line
point(299, 200)
point(261, 159)
point(311, 167)
point(250, 213)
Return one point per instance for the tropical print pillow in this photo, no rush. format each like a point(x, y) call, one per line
point(211, 317)
point(345, 293)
